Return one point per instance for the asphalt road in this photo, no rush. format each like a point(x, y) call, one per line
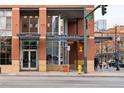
point(60, 82)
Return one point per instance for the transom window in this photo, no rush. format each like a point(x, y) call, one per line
point(29, 44)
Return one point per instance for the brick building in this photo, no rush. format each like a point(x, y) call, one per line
point(105, 50)
point(44, 38)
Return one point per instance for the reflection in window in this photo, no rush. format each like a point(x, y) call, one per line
point(5, 50)
point(53, 53)
point(53, 25)
point(29, 23)
point(8, 23)
point(5, 20)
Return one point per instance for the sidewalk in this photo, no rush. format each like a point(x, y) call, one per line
point(111, 72)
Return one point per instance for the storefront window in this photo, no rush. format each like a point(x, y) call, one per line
point(5, 36)
point(56, 54)
point(52, 52)
point(56, 49)
point(5, 50)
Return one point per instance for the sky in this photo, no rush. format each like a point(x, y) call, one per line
point(114, 15)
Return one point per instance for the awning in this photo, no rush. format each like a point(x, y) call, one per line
point(101, 39)
point(28, 36)
point(64, 37)
point(75, 37)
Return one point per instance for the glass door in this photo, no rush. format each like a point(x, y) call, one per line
point(29, 61)
point(33, 59)
point(25, 62)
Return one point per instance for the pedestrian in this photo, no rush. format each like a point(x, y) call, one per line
point(100, 65)
point(96, 62)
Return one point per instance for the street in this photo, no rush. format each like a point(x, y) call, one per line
point(60, 82)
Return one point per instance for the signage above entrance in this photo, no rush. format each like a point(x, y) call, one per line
point(28, 36)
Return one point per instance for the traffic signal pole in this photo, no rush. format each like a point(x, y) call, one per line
point(85, 34)
point(85, 42)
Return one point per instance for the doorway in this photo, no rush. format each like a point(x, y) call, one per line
point(29, 55)
point(29, 60)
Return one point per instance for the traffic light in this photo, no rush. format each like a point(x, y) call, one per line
point(104, 9)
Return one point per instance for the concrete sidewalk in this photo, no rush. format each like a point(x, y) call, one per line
point(111, 72)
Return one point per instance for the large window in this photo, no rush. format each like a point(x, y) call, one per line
point(5, 50)
point(54, 25)
point(5, 36)
point(56, 52)
point(5, 22)
point(29, 24)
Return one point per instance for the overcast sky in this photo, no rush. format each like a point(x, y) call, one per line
point(115, 15)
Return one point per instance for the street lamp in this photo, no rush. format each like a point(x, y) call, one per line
point(117, 40)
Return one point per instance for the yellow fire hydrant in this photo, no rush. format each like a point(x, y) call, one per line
point(79, 69)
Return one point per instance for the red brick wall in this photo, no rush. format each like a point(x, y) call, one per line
point(15, 31)
point(72, 27)
point(42, 31)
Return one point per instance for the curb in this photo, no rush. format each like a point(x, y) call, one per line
point(113, 76)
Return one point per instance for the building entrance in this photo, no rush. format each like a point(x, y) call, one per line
point(29, 55)
point(29, 37)
point(29, 60)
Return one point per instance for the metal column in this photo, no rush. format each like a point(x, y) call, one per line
point(59, 42)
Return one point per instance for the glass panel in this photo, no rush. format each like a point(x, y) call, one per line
point(25, 24)
point(2, 23)
point(5, 22)
point(25, 59)
point(33, 45)
point(1, 13)
point(29, 44)
point(5, 51)
point(29, 24)
point(33, 24)
point(53, 52)
point(53, 25)
point(33, 59)
point(8, 13)
point(25, 45)
point(8, 23)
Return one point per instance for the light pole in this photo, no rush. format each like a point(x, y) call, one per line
point(101, 63)
point(117, 40)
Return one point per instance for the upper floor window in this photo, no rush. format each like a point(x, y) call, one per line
point(29, 23)
point(5, 20)
point(55, 25)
